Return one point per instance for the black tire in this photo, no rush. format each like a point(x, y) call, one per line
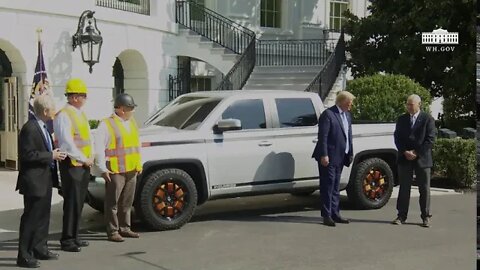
point(156, 199)
point(366, 193)
point(95, 203)
point(302, 193)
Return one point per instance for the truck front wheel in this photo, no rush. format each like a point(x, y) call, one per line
point(371, 184)
point(168, 199)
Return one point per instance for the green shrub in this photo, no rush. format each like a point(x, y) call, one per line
point(455, 159)
point(383, 97)
point(93, 123)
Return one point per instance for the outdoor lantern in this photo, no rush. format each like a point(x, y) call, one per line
point(89, 38)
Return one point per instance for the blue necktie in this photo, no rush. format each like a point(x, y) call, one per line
point(49, 140)
point(345, 127)
point(49, 143)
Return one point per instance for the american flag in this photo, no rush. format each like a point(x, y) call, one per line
point(39, 85)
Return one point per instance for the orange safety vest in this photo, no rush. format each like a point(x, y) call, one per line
point(123, 150)
point(80, 132)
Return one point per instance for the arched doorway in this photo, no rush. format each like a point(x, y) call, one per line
point(118, 78)
point(5, 71)
point(131, 76)
point(12, 94)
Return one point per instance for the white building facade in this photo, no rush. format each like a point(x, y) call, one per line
point(141, 50)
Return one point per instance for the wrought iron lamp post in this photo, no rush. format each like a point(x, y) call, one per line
point(89, 38)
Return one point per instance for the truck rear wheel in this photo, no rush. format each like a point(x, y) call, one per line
point(168, 199)
point(371, 184)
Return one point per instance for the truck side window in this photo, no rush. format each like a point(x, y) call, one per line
point(250, 111)
point(296, 112)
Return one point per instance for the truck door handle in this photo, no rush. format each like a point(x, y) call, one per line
point(264, 143)
point(315, 140)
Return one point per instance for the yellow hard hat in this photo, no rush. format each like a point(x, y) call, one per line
point(75, 86)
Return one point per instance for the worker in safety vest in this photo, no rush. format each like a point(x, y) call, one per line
point(72, 135)
point(117, 156)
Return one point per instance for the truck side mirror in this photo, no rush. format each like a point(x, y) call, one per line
point(227, 125)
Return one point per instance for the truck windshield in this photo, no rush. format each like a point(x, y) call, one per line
point(186, 112)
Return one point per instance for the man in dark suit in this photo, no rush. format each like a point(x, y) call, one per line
point(414, 137)
point(37, 175)
point(333, 151)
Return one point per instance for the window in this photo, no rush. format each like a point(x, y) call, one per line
point(296, 112)
point(270, 13)
point(250, 112)
point(337, 7)
point(186, 113)
point(200, 84)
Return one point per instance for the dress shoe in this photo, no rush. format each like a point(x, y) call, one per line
point(426, 222)
point(129, 234)
point(116, 237)
point(47, 256)
point(82, 243)
point(71, 248)
point(398, 221)
point(341, 220)
point(28, 263)
point(329, 222)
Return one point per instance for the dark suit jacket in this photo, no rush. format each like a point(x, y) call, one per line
point(331, 138)
point(35, 161)
point(419, 138)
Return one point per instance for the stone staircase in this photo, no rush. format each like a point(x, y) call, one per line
point(194, 45)
point(281, 77)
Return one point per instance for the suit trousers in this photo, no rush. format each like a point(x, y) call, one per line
point(329, 190)
point(34, 225)
point(119, 195)
point(74, 188)
point(405, 175)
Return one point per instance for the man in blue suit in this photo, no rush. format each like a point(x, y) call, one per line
point(333, 151)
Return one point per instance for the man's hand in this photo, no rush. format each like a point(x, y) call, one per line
point(57, 155)
point(88, 162)
point(410, 155)
point(324, 161)
point(106, 176)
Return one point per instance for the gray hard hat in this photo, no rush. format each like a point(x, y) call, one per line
point(124, 100)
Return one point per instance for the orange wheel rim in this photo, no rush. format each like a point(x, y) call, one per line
point(169, 199)
point(374, 185)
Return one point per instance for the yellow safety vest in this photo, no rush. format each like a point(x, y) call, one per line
point(124, 148)
point(80, 132)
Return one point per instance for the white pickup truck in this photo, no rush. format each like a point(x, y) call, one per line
point(219, 144)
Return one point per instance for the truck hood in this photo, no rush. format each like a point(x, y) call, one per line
point(167, 134)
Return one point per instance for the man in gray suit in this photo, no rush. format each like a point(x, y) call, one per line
point(414, 137)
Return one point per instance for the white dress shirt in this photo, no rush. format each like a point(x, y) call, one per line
point(102, 141)
point(343, 116)
point(62, 127)
point(413, 118)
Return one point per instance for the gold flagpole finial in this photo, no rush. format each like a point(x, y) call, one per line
point(39, 32)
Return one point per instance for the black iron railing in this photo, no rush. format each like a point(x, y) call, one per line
point(324, 81)
point(224, 32)
point(307, 52)
point(176, 87)
point(238, 75)
point(213, 26)
point(135, 6)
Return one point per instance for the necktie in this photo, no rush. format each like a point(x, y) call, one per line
point(49, 140)
point(49, 143)
point(412, 121)
point(345, 127)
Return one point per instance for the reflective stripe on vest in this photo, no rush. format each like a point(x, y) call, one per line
point(80, 133)
point(123, 151)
